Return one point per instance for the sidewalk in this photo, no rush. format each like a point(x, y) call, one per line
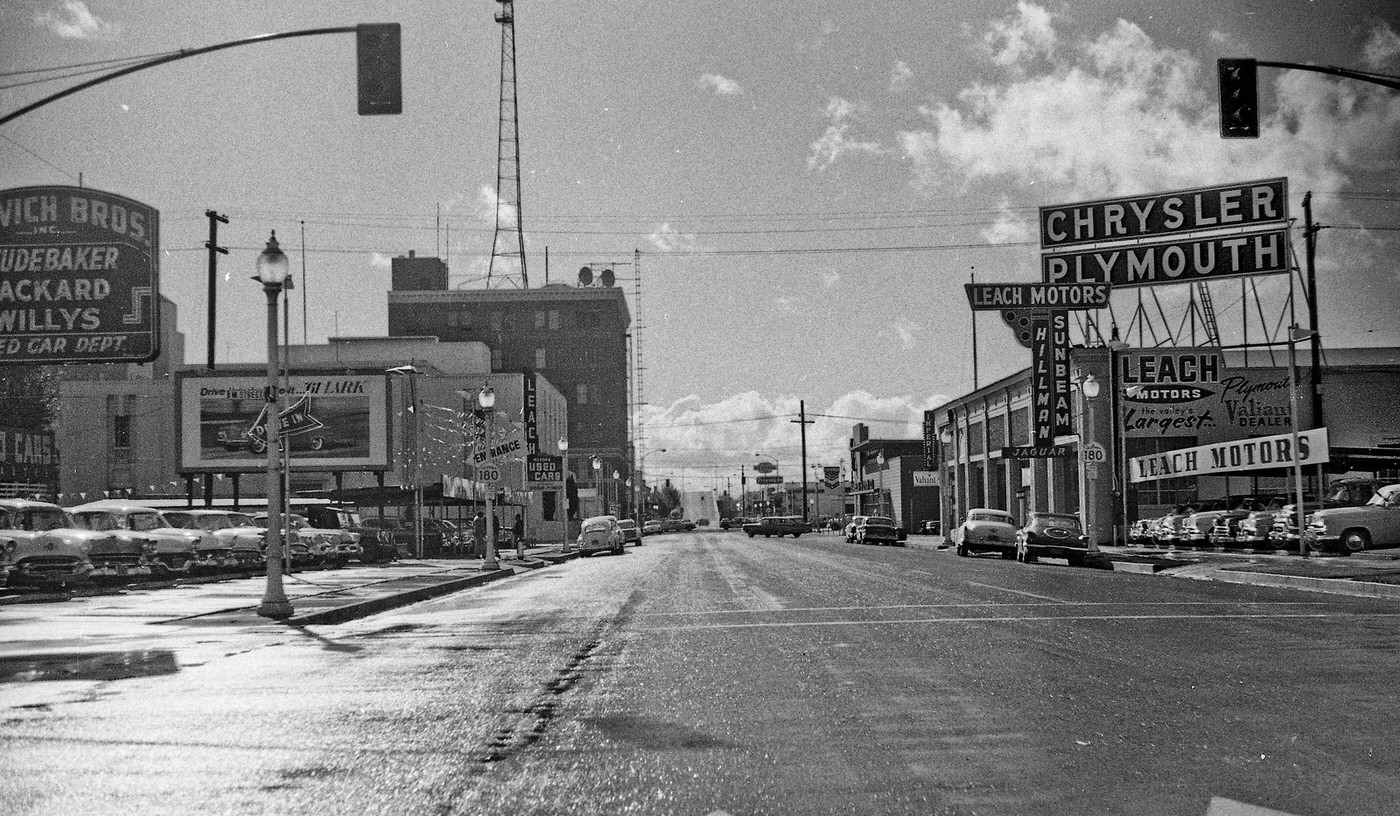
point(1373, 574)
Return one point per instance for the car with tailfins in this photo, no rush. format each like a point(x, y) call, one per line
point(1053, 535)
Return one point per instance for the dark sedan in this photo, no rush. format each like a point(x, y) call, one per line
point(1053, 535)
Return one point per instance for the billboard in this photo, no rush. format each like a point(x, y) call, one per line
point(28, 456)
point(1157, 215)
point(338, 420)
point(1261, 453)
point(79, 278)
point(1200, 397)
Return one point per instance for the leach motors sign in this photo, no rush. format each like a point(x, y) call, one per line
point(78, 277)
point(1259, 453)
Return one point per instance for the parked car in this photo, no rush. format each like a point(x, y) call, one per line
point(40, 546)
point(850, 529)
point(735, 523)
point(1345, 492)
point(879, 530)
point(1345, 530)
point(702, 522)
point(600, 533)
point(1226, 530)
point(376, 544)
point(779, 526)
point(237, 542)
point(930, 528)
point(396, 538)
point(986, 530)
point(630, 533)
point(652, 527)
point(176, 550)
point(1053, 535)
point(324, 546)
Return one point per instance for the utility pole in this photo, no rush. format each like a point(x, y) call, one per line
point(215, 219)
point(510, 222)
point(802, 422)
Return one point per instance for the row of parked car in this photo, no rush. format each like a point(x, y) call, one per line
point(43, 544)
point(1354, 515)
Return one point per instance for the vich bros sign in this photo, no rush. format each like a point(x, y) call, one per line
point(78, 277)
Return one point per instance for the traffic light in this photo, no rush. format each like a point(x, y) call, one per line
point(378, 68)
point(1239, 98)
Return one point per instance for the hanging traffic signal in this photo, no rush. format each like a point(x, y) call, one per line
point(378, 68)
point(1239, 98)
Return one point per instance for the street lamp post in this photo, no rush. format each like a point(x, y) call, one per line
point(272, 269)
point(767, 491)
point(411, 372)
point(616, 494)
point(564, 493)
point(486, 398)
point(597, 480)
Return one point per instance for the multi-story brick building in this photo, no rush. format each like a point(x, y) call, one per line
point(576, 336)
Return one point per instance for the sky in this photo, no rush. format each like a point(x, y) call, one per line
point(809, 184)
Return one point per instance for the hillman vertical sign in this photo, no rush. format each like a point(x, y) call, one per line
point(78, 277)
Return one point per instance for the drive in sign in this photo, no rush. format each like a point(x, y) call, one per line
point(78, 277)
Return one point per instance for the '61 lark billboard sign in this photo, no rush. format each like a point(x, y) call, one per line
point(78, 277)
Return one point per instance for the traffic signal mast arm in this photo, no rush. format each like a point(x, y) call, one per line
point(182, 54)
point(1374, 79)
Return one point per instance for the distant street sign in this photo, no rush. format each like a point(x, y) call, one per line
point(769, 480)
point(764, 467)
point(490, 474)
point(1093, 453)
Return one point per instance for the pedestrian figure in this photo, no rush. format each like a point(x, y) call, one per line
point(479, 535)
point(517, 531)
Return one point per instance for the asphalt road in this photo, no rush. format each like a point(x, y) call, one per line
point(707, 672)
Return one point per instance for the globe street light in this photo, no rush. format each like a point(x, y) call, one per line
point(272, 269)
point(597, 479)
point(486, 398)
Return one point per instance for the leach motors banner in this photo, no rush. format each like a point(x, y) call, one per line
point(1228, 457)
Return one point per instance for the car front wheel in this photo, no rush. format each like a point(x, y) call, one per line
point(1354, 541)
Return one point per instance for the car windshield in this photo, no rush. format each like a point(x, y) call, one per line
point(593, 525)
point(1056, 520)
point(97, 520)
point(989, 517)
point(43, 518)
point(881, 520)
point(240, 520)
point(627, 524)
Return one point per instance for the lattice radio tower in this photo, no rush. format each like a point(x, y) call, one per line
point(508, 247)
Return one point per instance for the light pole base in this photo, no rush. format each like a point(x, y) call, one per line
point(492, 564)
point(275, 609)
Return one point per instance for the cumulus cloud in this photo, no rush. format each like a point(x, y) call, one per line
point(726, 434)
point(1382, 49)
point(667, 239)
point(720, 86)
point(1117, 113)
point(1010, 227)
point(835, 142)
point(73, 20)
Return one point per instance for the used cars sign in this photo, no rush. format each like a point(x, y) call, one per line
point(78, 277)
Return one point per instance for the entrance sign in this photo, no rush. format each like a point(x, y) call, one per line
point(1227, 457)
point(1158, 215)
point(1220, 256)
point(79, 278)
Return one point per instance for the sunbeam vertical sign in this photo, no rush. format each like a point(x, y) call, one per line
point(79, 278)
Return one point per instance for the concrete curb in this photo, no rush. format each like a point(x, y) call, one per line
point(1336, 586)
point(349, 612)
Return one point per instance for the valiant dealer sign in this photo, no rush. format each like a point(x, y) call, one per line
point(78, 277)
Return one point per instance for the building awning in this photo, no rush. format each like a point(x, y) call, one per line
point(396, 496)
point(1363, 458)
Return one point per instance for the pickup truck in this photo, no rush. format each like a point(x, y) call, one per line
point(779, 526)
